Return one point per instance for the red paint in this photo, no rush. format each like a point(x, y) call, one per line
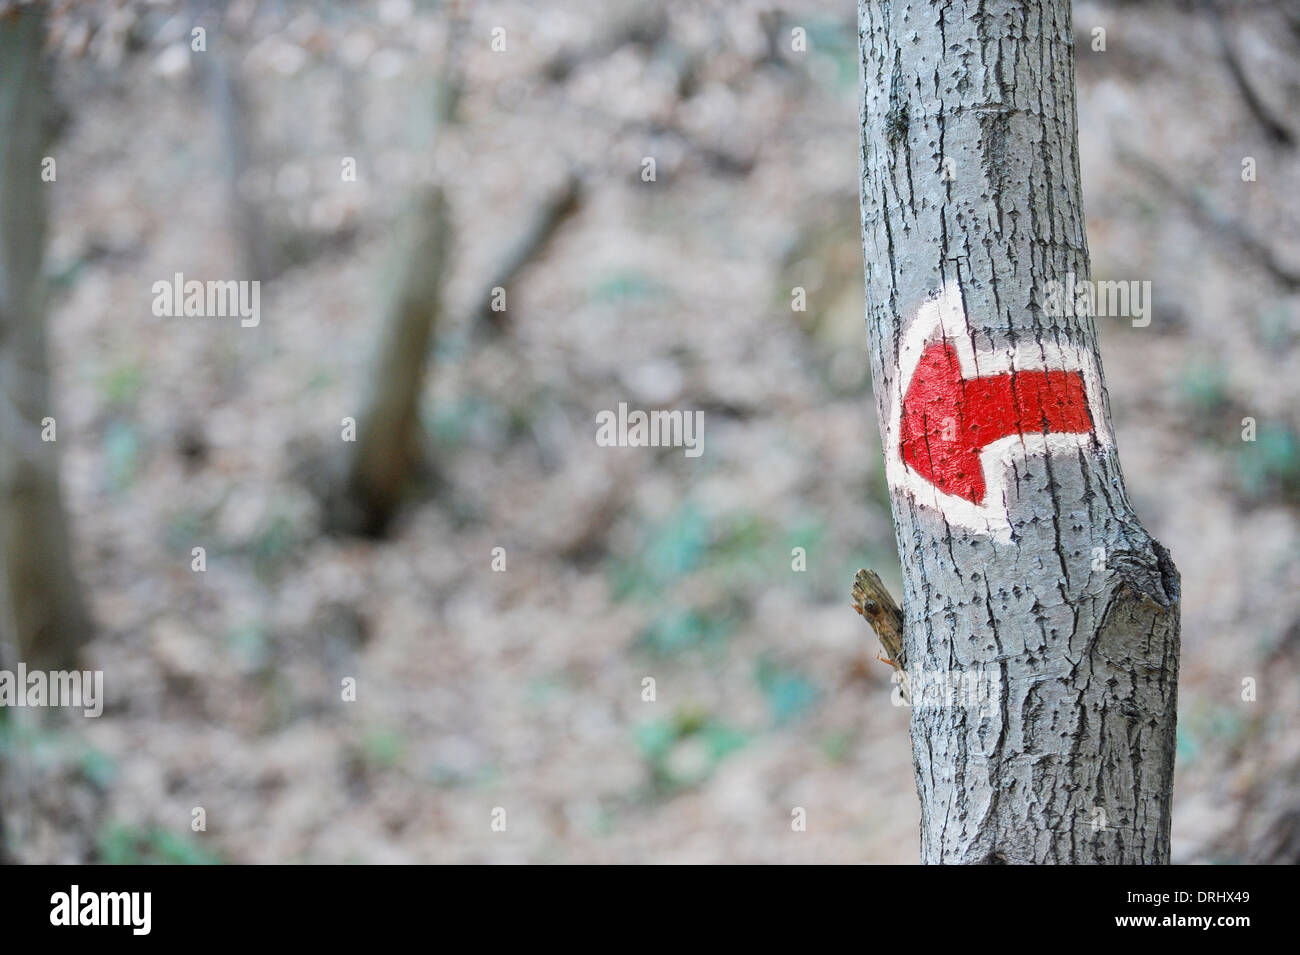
point(947, 420)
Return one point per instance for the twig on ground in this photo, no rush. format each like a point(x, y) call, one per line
point(553, 213)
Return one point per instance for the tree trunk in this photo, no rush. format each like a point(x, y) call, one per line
point(1041, 620)
point(259, 251)
point(387, 448)
point(41, 612)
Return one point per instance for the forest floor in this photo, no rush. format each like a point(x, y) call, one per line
point(523, 690)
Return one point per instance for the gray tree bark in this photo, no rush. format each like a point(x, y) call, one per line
point(1041, 621)
point(41, 610)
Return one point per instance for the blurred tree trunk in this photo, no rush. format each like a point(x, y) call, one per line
point(260, 249)
point(1059, 613)
point(230, 110)
point(387, 448)
point(41, 610)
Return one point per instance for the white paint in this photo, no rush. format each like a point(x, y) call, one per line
point(943, 318)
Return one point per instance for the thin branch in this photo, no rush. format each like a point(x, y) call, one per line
point(557, 209)
point(872, 601)
point(1277, 131)
point(1213, 218)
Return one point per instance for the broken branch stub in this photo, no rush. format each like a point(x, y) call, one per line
point(872, 600)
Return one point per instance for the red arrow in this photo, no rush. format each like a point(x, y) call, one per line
point(948, 420)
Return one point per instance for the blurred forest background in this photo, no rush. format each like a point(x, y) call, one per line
point(522, 689)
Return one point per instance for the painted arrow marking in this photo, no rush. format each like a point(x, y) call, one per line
point(948, 419)
point(959, 418)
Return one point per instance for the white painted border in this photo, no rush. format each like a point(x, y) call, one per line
point(943, 318)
